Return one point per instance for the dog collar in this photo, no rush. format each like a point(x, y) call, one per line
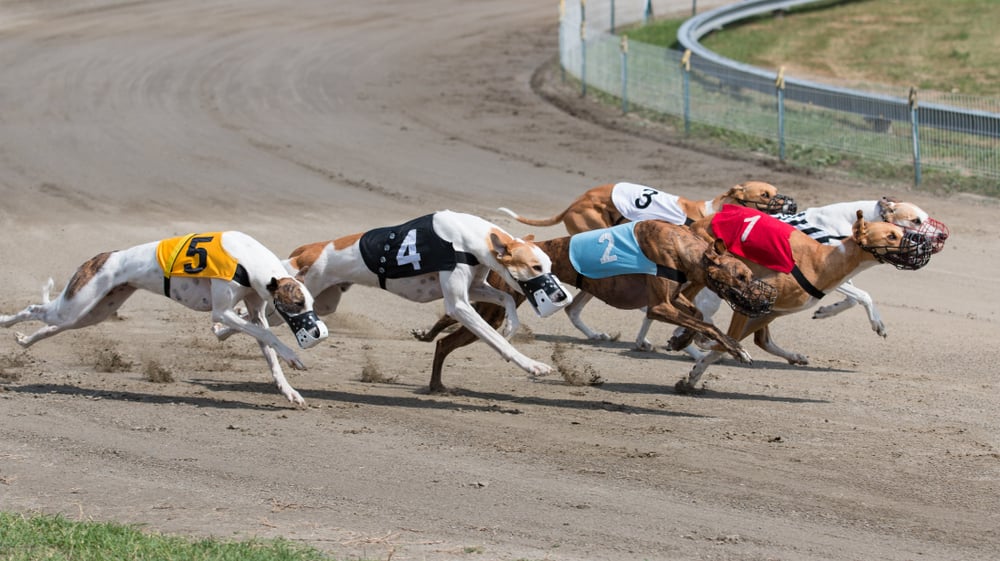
point(809, 287)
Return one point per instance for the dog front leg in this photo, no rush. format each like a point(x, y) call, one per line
point(230, 318)
point(573, 312)
point(491, 295)
point(762, 337)
point(642, 342)
point(688, 385)
point(854, 296)
point(255, 312)
point(456, 300)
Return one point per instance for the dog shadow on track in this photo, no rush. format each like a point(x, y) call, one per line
point(152, 398)
point(327, 396)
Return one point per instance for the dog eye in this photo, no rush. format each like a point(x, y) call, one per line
point(917, 221)
point(537, 268)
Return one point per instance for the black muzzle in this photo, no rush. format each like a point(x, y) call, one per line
point(754, 300)
point(778, 204)
point(914, 252)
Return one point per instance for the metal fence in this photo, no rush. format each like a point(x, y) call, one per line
point(948, 132)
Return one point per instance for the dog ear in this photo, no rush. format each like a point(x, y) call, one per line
point(736, 190)
point(860, 227)
point(273, 285)
point(529, 238)
point(500, 244)
point(887, 207)
point(719, 246)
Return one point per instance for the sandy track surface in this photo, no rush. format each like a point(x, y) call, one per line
point(125, 122)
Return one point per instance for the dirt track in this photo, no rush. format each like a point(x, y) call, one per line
point(301, 121)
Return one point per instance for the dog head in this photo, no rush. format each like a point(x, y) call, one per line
point(762, 196)
point(295, 305)
point(733, 281)
point(912, 217)
point(889, 243)
point(527, 269)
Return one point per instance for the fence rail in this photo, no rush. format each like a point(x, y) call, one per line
point(709, 89)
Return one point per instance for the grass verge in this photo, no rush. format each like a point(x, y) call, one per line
point(33, 538)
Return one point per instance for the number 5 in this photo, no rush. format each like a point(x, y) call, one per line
point(199, 253)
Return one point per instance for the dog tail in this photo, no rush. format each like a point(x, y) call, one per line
point(533, 222)
point(46, 289)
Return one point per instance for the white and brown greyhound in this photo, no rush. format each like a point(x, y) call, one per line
point(205, 272)
point(830, 225)
point(799, 267)
point(612, 204)
point(445, 255)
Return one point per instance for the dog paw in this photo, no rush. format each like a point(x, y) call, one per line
point(422, 335)
point(879, 328)
point(22, 339)
point(222, 331)
point(294, 397)
point(742, 356)
point(536, 369)
point(798, 359)
point(507, 330)
point(605, 337)
point(644, 346)
point(685, 387)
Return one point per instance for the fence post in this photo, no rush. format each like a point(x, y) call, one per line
point(686, 75)
point(612, 17)
point(583, 48)
point(647, 11)
point(779, 84)
point(624, 47)
point(694, 8)
point(916, 135)
point(562, 31)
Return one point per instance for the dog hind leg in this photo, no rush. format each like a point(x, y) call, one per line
point(62, 316)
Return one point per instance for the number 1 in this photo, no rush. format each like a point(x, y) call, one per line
point(750, 222)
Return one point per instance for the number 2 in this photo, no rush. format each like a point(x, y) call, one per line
point(408, 254)
point(607, 238)
point(750, 223)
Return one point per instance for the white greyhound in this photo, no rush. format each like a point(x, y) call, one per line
point(205, 272)
point(445, 255)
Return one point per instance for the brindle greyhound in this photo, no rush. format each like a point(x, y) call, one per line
point(682, 260)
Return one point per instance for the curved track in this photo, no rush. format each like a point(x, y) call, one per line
point(124, 122)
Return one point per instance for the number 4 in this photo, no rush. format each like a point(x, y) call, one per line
point(407, 254)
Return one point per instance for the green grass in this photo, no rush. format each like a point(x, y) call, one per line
point(55, 538)
point(944, 46)
point(819, 42)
